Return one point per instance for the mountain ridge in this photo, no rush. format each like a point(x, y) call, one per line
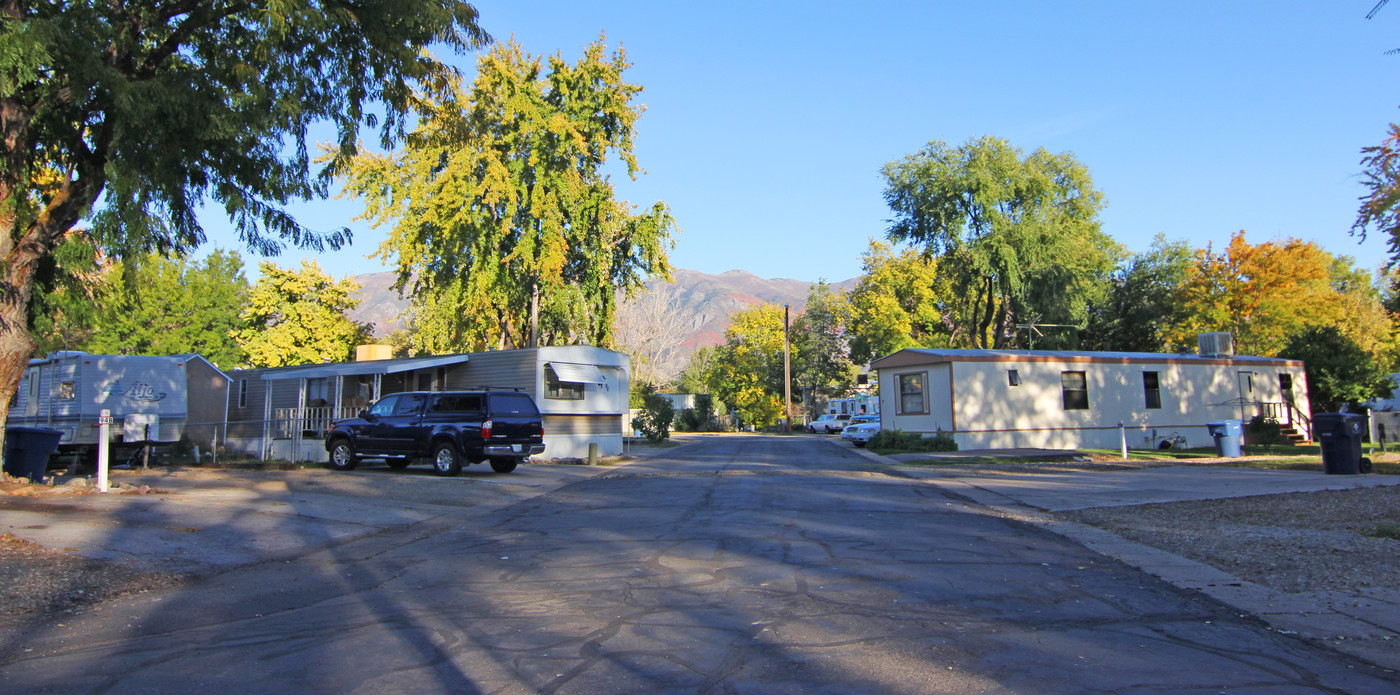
point(705, 301)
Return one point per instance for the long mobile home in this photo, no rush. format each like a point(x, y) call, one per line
point(1038, 398)
point(582, 392)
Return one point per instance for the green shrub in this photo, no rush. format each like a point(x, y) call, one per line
point(911, 441)
point(701, 418)
point(1388, 529)
point(655, 421)
point(1265, 432)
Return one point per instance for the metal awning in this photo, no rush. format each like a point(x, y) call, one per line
point(577, 373)
point(319, 371)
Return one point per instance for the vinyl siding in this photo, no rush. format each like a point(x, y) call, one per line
point(508, 369)
point(582, 424)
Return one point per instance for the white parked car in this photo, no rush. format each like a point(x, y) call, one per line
point(861, 432)
point(828, 423)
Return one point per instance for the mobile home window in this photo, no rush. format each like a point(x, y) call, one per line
point(1076, 390)
point(1013, 377)
point(560, 390)
point(243, 393)
point(911, 394)
point(65, 391)
point(1151, 390)
point(317, 392)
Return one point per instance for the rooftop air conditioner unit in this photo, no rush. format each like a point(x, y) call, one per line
point(1216, 344)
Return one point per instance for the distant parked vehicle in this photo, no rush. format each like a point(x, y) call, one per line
point(828, 424)
point(859, 434)
point(449, 428)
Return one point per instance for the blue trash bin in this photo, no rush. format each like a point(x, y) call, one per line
point(27, 451)
point(1228, 436)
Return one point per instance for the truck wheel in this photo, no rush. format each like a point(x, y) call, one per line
point(397, 462)
point(445, 459)
point(343, 456)
point(503, 465)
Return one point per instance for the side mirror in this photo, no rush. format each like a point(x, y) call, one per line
point(364, 415)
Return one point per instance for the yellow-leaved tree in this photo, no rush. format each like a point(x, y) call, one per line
point(504, 230)
point(748, 371)
point(1262, 294)
point(298, 317)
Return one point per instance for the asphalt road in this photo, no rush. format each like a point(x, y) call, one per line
point(731, 565)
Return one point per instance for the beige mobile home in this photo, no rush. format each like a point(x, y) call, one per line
point(990, 399)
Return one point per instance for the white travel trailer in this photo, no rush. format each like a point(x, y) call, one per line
point(988, 399)
point(155, 399)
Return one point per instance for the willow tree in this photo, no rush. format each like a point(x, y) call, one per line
point(132, 114)
point(505, 230)
point(1017, 236)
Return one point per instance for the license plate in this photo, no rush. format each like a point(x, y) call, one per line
point(516, 448)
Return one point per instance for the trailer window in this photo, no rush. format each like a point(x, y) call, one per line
point(911, 394)
point(1076, 390)
point(1151, 390)
point(66, 391)
point(560, 390)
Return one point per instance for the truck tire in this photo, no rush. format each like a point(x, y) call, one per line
point(446, 460)
point(503, 465)
point(343, 456)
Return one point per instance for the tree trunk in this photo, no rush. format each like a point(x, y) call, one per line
point(986, 320)
point(535, 315)
point(999, 337)
point(16, 345)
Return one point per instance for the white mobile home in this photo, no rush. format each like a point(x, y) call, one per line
point(988, 399)
point(582, 392)
point(158, 399)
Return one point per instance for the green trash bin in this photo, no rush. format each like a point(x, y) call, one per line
point(1228, 436)
point(27, 451)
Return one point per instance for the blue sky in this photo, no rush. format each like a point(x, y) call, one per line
point(767, 122)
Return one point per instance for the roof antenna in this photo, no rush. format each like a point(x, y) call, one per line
point(1033, 329)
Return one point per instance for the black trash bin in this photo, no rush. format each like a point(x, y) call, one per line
point(27, 451)
point(1339, 434)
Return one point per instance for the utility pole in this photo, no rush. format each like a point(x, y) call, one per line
point(787, 377)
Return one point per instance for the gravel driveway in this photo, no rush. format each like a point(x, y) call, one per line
point(1291, 543)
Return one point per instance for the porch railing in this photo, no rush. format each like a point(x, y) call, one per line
point(1286, 413)
point(292, 423)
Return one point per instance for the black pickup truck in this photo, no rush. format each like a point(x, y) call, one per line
point(449, 428)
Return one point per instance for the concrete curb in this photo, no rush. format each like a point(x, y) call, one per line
point(1363, 626)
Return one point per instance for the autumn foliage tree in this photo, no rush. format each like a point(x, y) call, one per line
point(1262, 294)
point(899, 303)
point(748, 370)
point(298, 317)
point(504, 229)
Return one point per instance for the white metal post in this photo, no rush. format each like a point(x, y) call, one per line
point(1123, 439)
point(104, 424)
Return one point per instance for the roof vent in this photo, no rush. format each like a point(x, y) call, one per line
point(1216, 344)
